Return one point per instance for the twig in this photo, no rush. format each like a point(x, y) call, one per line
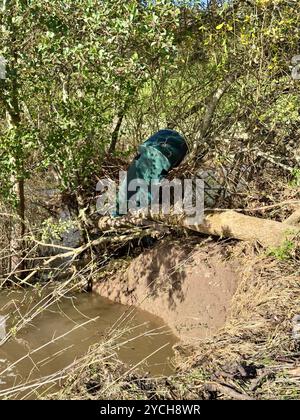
point(224, 389)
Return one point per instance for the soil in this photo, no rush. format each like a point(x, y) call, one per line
point(189, 288)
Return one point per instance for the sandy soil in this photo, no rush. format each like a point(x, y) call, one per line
point(189, 288)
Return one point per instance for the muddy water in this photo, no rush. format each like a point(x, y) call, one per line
point(99, 316)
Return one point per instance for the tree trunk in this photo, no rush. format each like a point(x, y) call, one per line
point(18, 231)
point(224, 224)
point(115, 133)
point(211, 106)
point(230, 224)
point(13, 113)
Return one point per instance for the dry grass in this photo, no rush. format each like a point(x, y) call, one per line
point(98, 368)
point(255, 353)
point(253, 357)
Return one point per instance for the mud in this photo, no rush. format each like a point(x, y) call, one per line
point(189, 288)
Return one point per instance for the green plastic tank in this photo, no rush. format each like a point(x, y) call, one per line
point(159, 154)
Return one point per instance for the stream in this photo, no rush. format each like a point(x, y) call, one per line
point(58, 334)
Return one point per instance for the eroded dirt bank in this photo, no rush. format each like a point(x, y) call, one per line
point(254, 356)
point(190, 288)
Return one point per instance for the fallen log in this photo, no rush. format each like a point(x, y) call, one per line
point(224, 224)
point(230, 224)
point(294, 218)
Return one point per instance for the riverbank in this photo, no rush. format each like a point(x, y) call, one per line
point(254, 355)
point(245, 346)
point(189, 286)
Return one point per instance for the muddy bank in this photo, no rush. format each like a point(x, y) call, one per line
point(255, 356)
point(190, 288)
